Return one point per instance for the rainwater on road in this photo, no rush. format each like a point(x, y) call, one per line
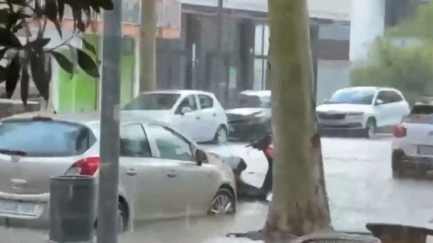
point(360, 189)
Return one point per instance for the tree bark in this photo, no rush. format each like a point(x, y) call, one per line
point(148, 45)
point(299, 204)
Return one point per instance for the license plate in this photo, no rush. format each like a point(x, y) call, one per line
point(231, 129)
point(17, 208)
point(425, 150)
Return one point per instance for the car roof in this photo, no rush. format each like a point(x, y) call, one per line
point(179, 91)
point(256, 92)
point(91, 118)
point(373, 88)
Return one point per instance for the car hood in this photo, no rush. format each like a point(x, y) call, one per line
point(162, 116)
point(245, 111)
point(344, 108)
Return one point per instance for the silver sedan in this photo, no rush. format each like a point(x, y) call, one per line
point(162, 174)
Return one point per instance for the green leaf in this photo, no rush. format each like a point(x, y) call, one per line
point(61, 9)
point(106, 4)
point(9, 39)
point(38, 44)
point(63, 62)
point(87, 64)
point(3, 52)
point(41, 75)
point(89, 46)
point(12, 76)
point(3, 72)
point(24, 85)
point(4, 16)
point(51, 11)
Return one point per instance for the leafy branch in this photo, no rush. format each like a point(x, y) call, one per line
point(32, 60)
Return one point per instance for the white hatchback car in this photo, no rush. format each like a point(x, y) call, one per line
point(160, 173)
point(197, 114)
point(362, 109)
point(412, 143)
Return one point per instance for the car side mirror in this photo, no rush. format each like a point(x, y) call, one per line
point(379, 102)
point(200, 157)
point(185, 110)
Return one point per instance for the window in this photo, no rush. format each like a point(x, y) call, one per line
point(357, 96)
point(45, 138)
point(389, 97)
point(170, 144)
point(206, 102)
point(152, 101)
point(189, 102)
point(395, 97)
point(133, 142)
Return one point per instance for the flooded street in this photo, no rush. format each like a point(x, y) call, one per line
point(360, 187)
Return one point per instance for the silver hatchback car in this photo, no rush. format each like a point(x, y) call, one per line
point(159, 175)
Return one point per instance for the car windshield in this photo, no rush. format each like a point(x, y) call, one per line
point(44, 138)
point(254, 101)
point(155, 101)
point(352, 96)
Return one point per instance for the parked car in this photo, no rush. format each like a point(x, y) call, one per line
point(412, 143)
point(198, 114)
point(162, 174)
point(362, 110)
point(251, 118)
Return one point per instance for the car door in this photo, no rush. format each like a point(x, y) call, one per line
point(147, 187)
point(383, 109)
point(193, 184)
point(209, 123)
point(400, 107)
point(188, 123)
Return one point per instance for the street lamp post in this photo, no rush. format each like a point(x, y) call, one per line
point(109, 148)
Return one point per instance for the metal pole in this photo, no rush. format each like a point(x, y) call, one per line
point(220, 26)
point(109, 146)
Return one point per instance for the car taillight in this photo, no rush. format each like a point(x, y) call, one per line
point(269, 151)
point(399, 131)
point(87, 166)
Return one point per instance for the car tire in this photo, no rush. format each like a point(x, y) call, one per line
point(370, 128)
point(122, 221)
point(122, 218)
point(220, 135)
point(397, 171)
point(224, 202)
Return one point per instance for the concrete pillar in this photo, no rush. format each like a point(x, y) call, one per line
point(367, 23)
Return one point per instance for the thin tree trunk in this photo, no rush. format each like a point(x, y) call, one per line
point(148, 45)
point(299, 204)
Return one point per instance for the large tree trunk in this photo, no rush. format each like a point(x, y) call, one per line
point(299, 204)
point(148, 45)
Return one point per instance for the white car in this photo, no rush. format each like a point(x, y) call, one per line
point(162, 174)
point(412, 143)
point(197, 114)
point(362, 110)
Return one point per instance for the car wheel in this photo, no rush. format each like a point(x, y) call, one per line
point(370, 128)
point(220, 135)
point(397, 171)
point(122, 222)
point(223, 203)
point(122, 218)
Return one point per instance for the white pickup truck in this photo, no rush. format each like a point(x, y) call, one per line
point(412, 144)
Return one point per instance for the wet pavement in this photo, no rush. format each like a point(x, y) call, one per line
point(360, 187)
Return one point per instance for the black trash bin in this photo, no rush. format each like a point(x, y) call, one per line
point(72, 209)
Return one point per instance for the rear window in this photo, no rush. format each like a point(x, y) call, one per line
point(422, 110)
point(45, 138)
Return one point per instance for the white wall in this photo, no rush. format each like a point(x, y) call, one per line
point(332, 75)
point(367, 23)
